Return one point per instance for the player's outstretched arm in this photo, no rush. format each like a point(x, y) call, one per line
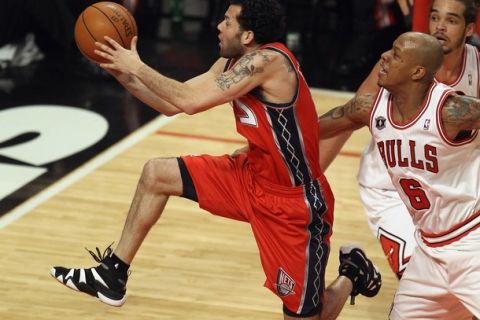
point(133, 85)
point(144, 94)
point(351, 116)
point(213, 87)
point(206, 91)
point(329, 148)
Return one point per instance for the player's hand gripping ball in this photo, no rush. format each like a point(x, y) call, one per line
point(103, 19)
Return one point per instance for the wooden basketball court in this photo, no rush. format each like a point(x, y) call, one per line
point(192, 265)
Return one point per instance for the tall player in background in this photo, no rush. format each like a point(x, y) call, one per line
point(277, 185)
point(428, 138)
point(419, 11)
point(452, 22)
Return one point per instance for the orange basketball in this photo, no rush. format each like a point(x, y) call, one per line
point(103, 19)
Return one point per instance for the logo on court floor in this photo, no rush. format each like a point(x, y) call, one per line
point(285, 284)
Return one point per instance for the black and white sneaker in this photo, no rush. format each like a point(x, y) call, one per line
point(97, 281)
point(355, 265)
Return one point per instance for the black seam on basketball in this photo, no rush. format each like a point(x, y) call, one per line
point(86, 27)
point(119, 34)
point(91, 35)
point(130, 17)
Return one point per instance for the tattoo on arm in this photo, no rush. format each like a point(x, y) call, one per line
point(335, 113)
point(244, 67)
point(357, 107)
point(462, 110)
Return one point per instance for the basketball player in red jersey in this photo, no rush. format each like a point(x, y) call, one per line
point(452, 22)
point(427, 137)
point(277, 185)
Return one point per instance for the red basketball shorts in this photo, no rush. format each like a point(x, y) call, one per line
point(291, 225)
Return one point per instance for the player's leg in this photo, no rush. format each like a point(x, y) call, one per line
point(464, 270)
point(357, 275)
point(335, 296)
point(292, 227)
point(292, 233)
point(396, 235)
point(160, 178)
point(426, 295)
point(392, 224)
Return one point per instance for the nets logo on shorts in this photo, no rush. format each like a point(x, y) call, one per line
point(285, 284)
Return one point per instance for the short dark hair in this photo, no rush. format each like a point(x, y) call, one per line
point(266, 18)
point(471, 10)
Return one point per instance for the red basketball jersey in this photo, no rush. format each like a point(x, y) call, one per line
point(283, 138)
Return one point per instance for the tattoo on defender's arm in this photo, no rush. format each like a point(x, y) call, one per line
point(461, 109)
point(335, 113)
point(242, 69)
point(356, 105)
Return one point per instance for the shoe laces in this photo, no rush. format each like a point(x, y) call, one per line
point(98, 256)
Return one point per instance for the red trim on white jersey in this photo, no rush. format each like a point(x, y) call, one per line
point(460, 76)
point(441, 128)
point(376, 101)
point(420, 112)
point(455, 233)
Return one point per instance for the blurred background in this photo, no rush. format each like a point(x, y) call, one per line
point(336, 41)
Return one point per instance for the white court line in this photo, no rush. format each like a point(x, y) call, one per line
point(83, 170)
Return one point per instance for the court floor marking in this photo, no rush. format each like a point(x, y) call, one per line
point(113, 151)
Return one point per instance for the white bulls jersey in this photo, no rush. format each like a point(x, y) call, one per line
point(437, 179)
point(372, 172)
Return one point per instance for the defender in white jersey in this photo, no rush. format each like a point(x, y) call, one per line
point(427, 136)
point(451, 22)
point(387, 215)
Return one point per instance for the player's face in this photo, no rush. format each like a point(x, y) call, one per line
point(396, 64)
point(230, 34)
point(447, 24)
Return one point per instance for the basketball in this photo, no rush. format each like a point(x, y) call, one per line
point(103, 19)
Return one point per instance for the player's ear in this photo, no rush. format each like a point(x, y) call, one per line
point(247, 37)
point(419, 72)
point(470, 29)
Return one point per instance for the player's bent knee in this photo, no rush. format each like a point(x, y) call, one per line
point(162, 175)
